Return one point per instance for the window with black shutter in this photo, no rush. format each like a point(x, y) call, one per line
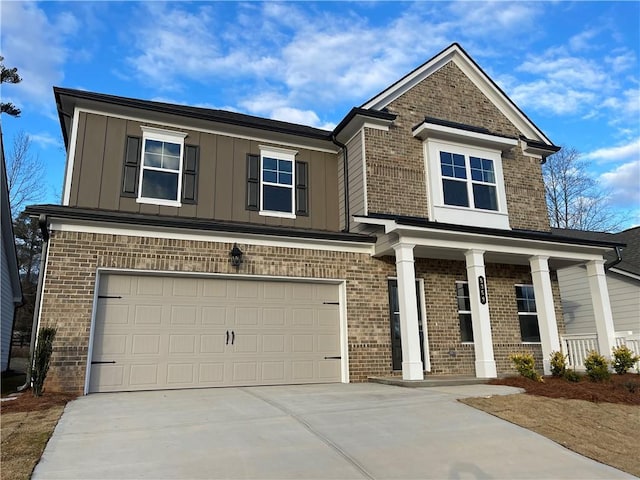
point(130, 174)
point(190, 174)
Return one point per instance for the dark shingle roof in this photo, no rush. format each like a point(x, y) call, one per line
point(630, 253)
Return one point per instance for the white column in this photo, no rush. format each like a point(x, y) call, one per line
point(480, 319)
point(601, 306)
point(411, 362)
point(547, 323)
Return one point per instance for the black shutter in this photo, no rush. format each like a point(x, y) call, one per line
point(253, 182)
point(302, 190)
point(131, 169)
point(190, 174)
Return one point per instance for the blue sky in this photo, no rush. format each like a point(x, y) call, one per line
point(573, 67)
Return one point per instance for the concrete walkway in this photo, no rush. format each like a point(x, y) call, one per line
point(335, 431)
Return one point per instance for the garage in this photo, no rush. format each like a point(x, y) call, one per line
point(168, 332)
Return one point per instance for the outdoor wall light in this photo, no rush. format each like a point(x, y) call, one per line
point(236, 256)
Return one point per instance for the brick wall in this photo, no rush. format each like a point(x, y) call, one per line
point(395, 159)
point(74, 258)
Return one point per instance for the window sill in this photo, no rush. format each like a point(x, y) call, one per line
point(532, 343)
point(159, 202)
point(471, 216)
point(268, 213)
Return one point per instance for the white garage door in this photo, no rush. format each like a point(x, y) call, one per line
point(175, 332)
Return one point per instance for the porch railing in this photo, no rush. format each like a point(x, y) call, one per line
point(577, 346)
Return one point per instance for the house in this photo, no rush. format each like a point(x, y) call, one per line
point(199, 247)
point(622, 269)
point(10, 287)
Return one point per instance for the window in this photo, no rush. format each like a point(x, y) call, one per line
point(277, 182)
point(527, 315)
point(464, 311)
point(468, 181)
point(161, 167)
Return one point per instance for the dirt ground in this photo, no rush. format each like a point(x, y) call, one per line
point(597, 420)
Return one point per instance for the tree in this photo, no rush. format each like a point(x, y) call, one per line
point(9, 75)
point(29, 249)
point(25, 174)
point(575, 199)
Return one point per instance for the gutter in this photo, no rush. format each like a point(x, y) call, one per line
point(615, 262)
point(346, 180)
point(42, 222)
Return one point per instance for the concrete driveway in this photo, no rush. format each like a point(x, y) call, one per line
point(301, 432)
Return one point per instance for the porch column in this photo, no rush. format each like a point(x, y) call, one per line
point(547, 324)
point(601, 306)
point(411, 360)
point(480, 319)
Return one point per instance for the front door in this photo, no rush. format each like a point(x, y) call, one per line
point(394, 317)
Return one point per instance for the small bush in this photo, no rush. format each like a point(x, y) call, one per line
point(572, 376)
point(41, 357)
point(558, 364)
point(597, 367)
point(524, 363)
point(623, 359)
point(631, 386)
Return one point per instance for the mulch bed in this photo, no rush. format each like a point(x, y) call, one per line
point(27, 402)
point(619, 389)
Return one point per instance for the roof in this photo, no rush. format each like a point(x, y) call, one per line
point(489, 88)
point(630, 252)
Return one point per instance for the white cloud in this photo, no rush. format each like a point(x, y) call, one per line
point(45, 139)
point(35, 44)
point(617, 154)
point(624, 183)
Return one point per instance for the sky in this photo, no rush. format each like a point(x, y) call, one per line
point(572, 67)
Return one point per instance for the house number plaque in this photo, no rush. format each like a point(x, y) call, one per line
point(483, 290)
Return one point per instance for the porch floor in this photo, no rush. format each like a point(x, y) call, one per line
point(431, 381)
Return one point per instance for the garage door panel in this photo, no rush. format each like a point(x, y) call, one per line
point(171, 332)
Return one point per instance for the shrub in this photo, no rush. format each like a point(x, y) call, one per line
point(597, 367)
point(525, 365)
point(558, 364)
point(572, 376)
point(41, 357)
point(623, 359)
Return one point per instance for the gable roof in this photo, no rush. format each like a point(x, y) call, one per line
point(630, 253)
point(455, 53)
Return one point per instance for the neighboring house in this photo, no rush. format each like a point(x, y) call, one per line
point(623, 285)
point(199, 247)
point(10, 287)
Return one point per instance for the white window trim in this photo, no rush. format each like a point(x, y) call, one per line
point(527, 314)
point(280, 154)
point(161, 135)
point(439, 211)
point(463, 311)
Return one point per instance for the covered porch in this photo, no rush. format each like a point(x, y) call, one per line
point(410, 239)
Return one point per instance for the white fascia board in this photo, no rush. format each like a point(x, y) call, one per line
point(71, 155)
point(207, 130)
point(479, 79)
point(214, 237)
point(431, 130)
point(623, 273)
point(389, 225)
point(358, 123)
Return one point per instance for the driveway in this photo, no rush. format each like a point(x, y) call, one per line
point(340, 431)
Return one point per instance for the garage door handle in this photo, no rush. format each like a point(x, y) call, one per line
point(333, 358)
point(227, 341)
point(100, 363)
point(233, 337)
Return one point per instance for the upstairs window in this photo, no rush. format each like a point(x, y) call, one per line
point(527, 313)
point(468, 181)
point(161, 167)
point(464, 311)
point(277, 185)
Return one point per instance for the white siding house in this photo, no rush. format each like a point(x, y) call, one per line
point(10, 290)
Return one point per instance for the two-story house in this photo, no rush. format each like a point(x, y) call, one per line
point(198, 247)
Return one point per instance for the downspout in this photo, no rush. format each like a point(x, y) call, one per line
point(346, 180)
point(612, 264)
point(42, 223)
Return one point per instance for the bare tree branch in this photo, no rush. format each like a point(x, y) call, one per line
point(575, 199)
point(25, 174)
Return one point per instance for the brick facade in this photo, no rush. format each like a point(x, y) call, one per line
point(395, 159)
point(74, 257)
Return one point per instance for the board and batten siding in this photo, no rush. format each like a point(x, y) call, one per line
point(624, 295)
point(98, 166)
point(357, 194)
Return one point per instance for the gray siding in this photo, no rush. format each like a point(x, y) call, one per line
point(357, 193)
point(8, 307)
point(98, 167)
point(624, 295)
